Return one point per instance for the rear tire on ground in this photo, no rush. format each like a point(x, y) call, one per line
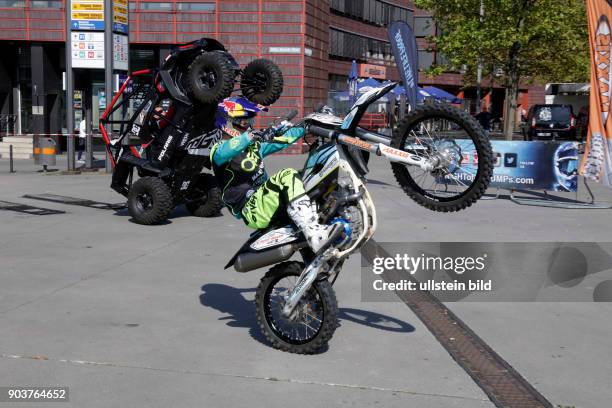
point(328, 299)
point(210, 78)
point(211, 204)
point(475, 133)
point(149, 201)
point(262, 82)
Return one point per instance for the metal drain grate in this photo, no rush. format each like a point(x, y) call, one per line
point(28, 209)
point(503, 384)
point(54, 198)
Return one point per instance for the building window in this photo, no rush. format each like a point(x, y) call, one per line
point(132, 6)
point(426, 59)
point(12, 3)
point(338, 82)
point(424, 26)
point(45, 4)
point(150, 6)
point(374, 12)
point(350, 46)
point(195, 6)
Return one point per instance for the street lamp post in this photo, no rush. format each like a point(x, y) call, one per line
point(108, 64)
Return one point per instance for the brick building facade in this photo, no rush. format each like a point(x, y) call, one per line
point(313, 41)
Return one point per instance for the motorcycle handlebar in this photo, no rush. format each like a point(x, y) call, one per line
point(291, 115)
point(320, 131)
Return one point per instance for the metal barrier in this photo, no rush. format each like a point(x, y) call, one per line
point(7, 124)
point(46, 147)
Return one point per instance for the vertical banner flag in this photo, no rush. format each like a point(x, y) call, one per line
point(597, 160)
point(352, 81)
point(404, 46)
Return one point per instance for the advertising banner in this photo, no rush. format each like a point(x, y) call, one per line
point(551, 166)
point(404, 46)
point(597, 162)
point(87, 15)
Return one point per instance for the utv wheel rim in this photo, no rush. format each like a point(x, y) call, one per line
point(207, 79)
point(144, 202)
point(307, 320)
point(258, 83)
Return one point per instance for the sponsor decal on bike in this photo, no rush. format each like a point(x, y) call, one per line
point(396, 154)
point(273, 238)
point(356, 142)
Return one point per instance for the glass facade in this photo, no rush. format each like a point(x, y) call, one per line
point(12, 3)
point(344, 45)
point(374, 12)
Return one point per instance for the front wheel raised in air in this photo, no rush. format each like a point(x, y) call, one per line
point(457, 144)
point(314, 319)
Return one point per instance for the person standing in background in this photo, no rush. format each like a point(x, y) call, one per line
point(81, 140)
point(484, 118)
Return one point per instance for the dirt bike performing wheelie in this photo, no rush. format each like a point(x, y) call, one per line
point(325, 213)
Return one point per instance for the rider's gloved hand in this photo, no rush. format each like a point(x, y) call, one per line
point(263, 135)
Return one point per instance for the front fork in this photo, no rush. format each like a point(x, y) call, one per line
point(306, 279)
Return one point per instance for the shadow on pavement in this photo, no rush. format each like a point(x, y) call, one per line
point(240, 312)
point(178, 212)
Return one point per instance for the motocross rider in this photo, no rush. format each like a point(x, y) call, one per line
point(248, 192)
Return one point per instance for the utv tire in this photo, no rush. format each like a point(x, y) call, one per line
point(149, 201)
point(478, 137)
point(210, 78)
point(262, 82)
point(325, 293)
point(210, 205)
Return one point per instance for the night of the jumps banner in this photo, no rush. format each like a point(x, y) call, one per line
point(404, 46)
point(597, 161)
point(521, 165)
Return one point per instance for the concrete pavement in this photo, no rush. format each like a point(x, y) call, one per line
point(128, 315)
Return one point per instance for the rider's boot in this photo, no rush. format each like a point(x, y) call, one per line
point(302, 212)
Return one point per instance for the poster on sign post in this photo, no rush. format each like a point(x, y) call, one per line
point(87, 15)
point(87, 49)
point(120, 16)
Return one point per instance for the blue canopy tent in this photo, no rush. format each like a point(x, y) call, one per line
point(362, 86)
point(442, 95)
point(421, 94)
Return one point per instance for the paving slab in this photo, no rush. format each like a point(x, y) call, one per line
point(130, 315)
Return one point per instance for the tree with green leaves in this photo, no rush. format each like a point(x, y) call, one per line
point(516, 41)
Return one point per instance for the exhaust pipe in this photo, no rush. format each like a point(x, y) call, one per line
point(254, 260)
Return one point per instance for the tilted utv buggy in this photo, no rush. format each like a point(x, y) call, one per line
point(164, 120)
